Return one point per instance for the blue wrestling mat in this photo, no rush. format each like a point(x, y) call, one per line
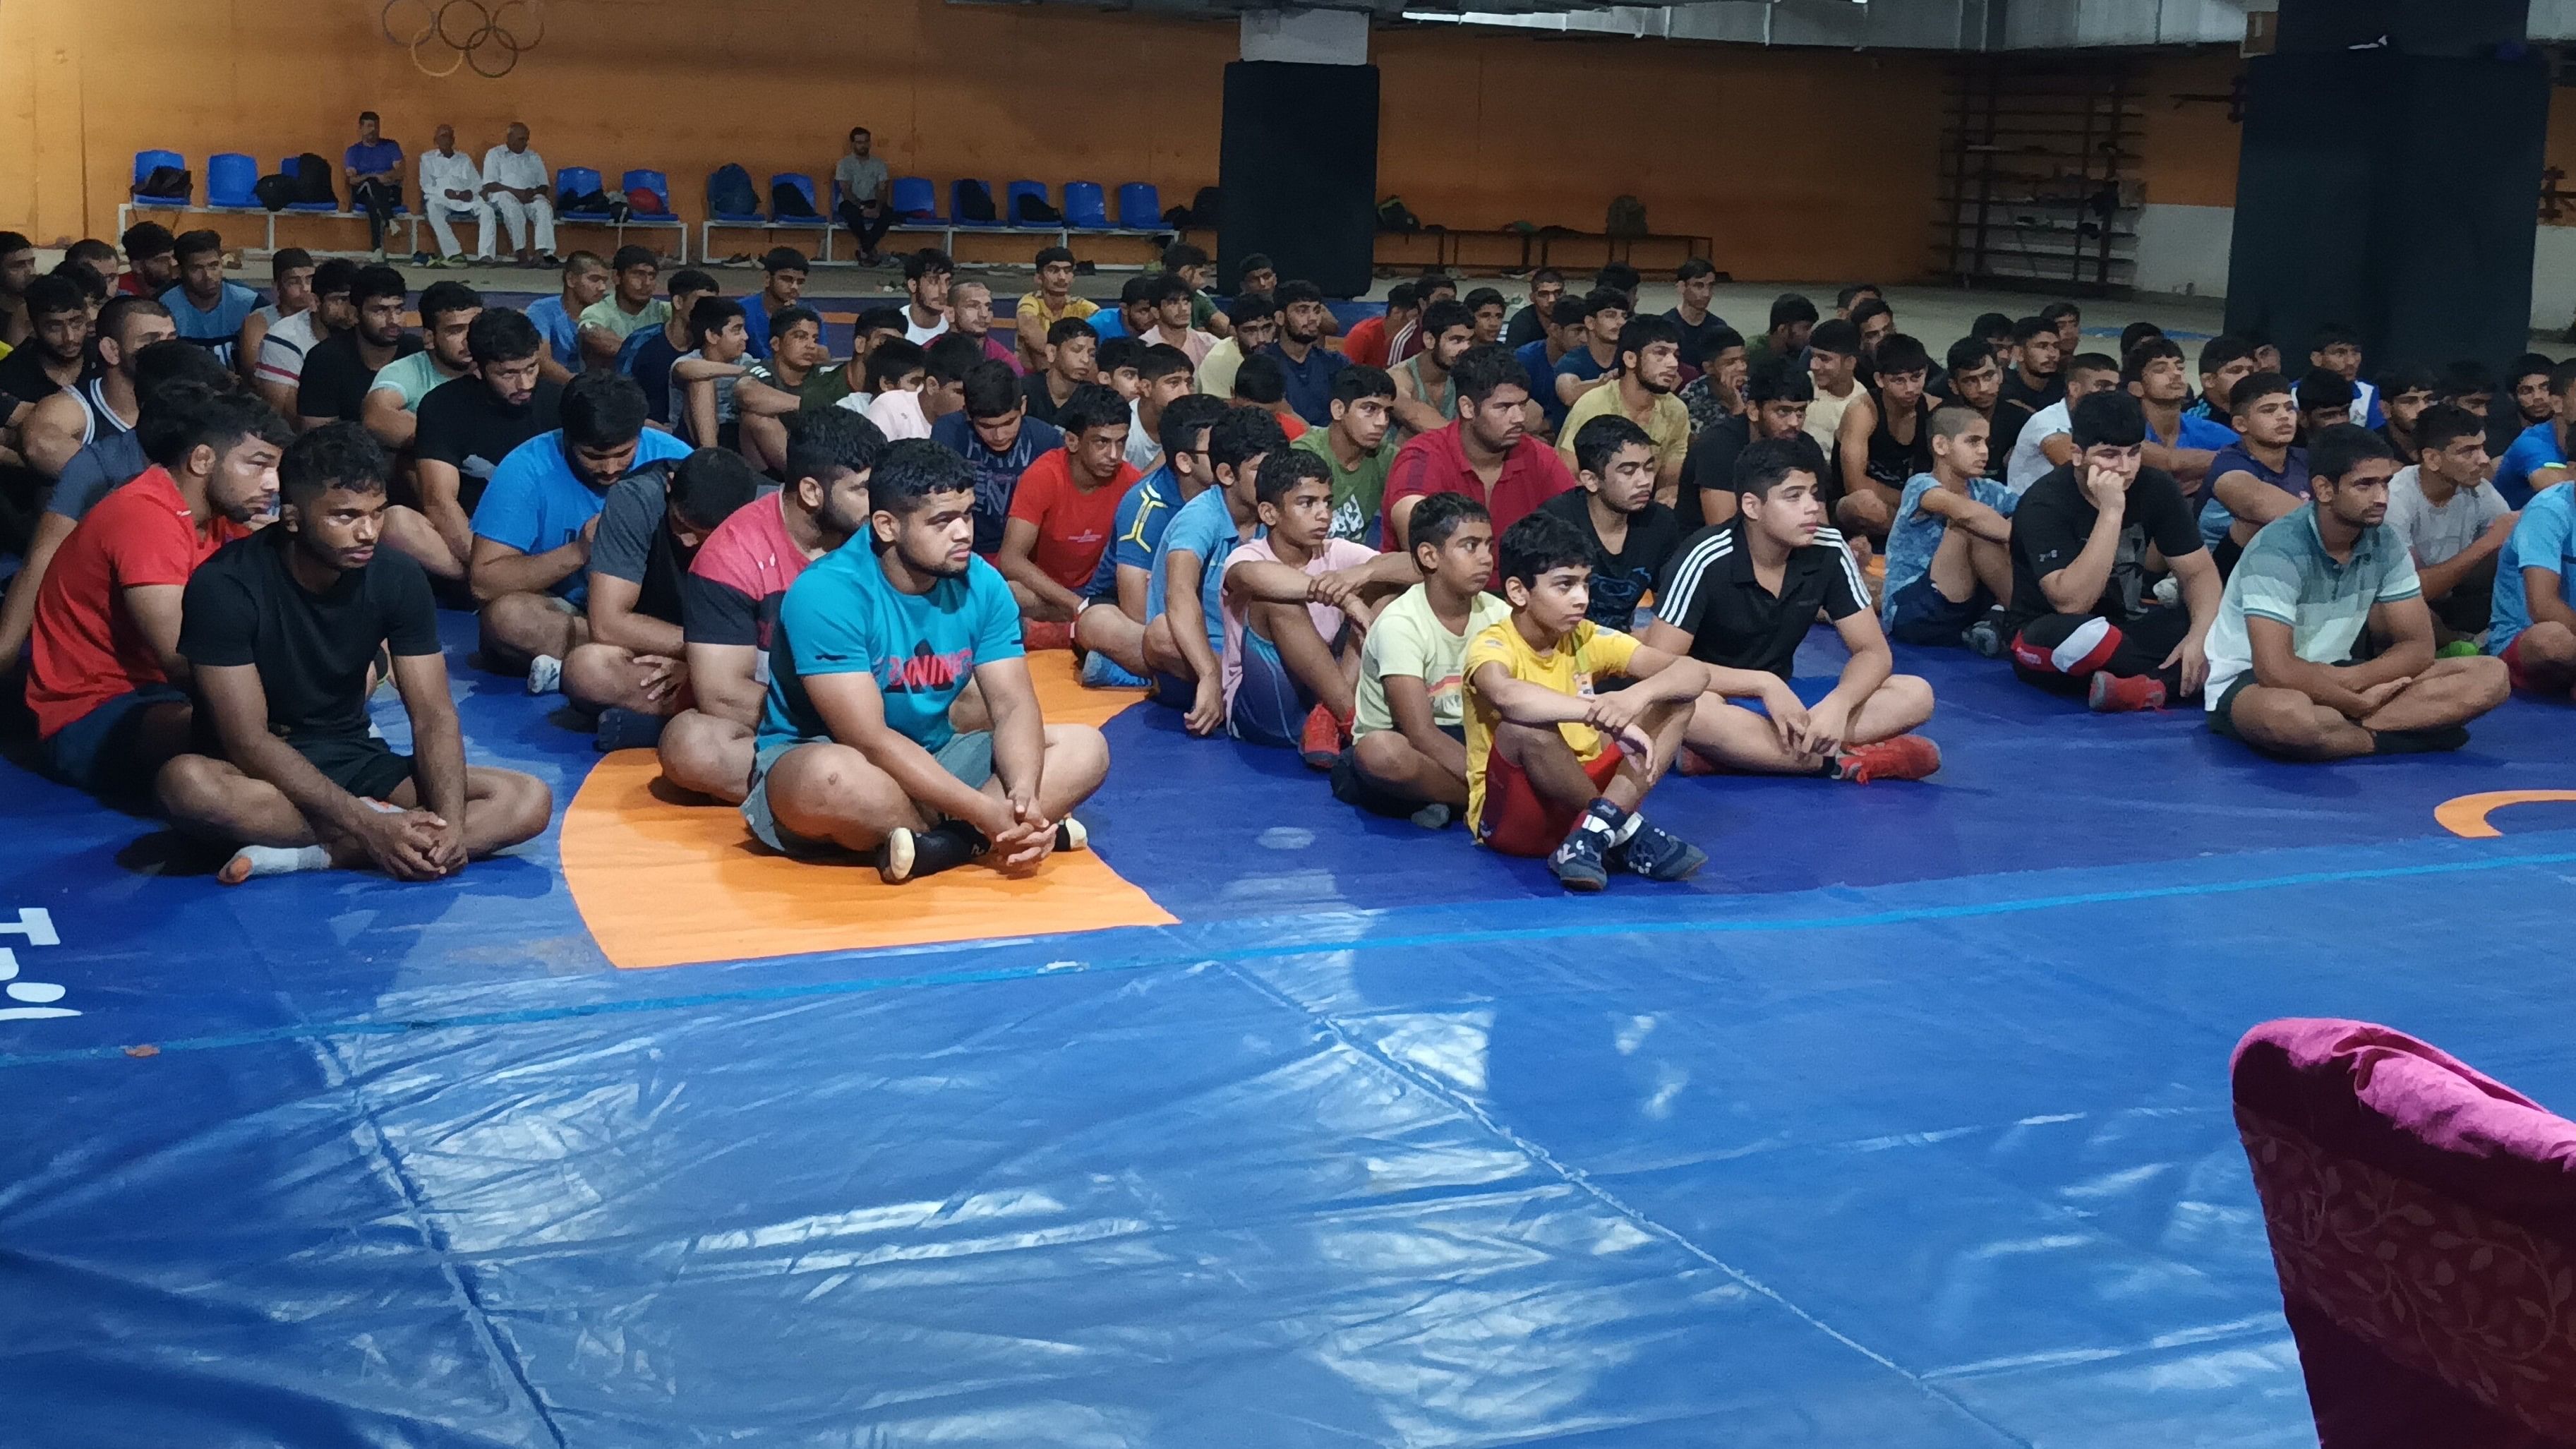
point(1906, 1124)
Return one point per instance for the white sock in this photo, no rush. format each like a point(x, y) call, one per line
point(284, 859)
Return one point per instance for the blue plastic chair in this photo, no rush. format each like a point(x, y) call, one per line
point(577, 181)
point(915, 199)
point(805, 184)
point(146, 162)
point(230, 179)
point(956, 213)
point(730, 218)
point(1086, 206)
point(287, 168)
point(1140, 206)
point(1011, 204)
point(656, 183)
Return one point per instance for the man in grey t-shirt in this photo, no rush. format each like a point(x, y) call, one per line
point(863, 182)
point(633, 670)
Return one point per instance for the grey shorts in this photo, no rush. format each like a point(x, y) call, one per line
point(968, 756)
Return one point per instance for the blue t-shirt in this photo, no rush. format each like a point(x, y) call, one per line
point(1205, 527)
point(562, 333)
point(2545, 537)
point(535, 504)
point(1912, 539)
point(1108, 322)
point(369, 157)
point(2536, 449)
point(842, 616)
point(2291, 478)
point(755, 320)
point(2197, 432)
point(98, 469)
point(218, 331)
point(1142, 516)
point(997, 475)
point(1310, 383)
point(1542, 374)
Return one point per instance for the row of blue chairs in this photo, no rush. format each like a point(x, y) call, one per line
point(915, 204)
point(916, 199)
point(231, 177)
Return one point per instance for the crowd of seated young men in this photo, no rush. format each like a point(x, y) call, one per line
point(1510, 569)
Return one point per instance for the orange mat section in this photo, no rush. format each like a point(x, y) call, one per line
point(661, 884)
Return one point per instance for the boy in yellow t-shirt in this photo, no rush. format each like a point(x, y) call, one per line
point(1552, 768)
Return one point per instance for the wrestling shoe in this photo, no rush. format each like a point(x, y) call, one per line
point(1660, 855)
point(1322, 740)
point(1906, 757)
point(1070, 835)
point(1582, 862)
point(912, 854)
point(545, 674)
point(2120, 693)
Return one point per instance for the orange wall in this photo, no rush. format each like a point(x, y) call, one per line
point(2188, 157)
point(1770, 156)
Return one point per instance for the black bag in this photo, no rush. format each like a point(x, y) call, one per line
point(1207, 209)
point(166, 183)
point(729, 192)
point(787, 202)
point(586, 203)
point(274, 192)
point(313, 180)
point(1394, 215)
point(1027, 210)
point(1627, 217)
point(975, 202)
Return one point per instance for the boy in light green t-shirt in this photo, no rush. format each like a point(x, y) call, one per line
point(1356, 449)
point(1408, 754)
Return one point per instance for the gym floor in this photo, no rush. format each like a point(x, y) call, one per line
point(1268, 1125)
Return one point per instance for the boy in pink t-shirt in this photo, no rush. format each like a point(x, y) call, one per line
point(1296, 601)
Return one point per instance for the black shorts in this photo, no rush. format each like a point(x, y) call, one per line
point(1923, 616)
point(364, 766)
point(2222, 715)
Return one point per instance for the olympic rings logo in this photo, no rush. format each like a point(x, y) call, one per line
point(487, 36)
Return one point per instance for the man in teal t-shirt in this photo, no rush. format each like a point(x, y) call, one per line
point(859, 747)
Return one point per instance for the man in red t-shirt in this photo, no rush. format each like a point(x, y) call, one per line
point(151, 260)
point(1367, 340)
point(1487, 454)
point(104, 676)
point(729, 602)
point(1062, 513)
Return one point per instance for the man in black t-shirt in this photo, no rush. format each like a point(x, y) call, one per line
point(2035, 380)
point(51, 358)
point(281, 630)
point(1776, 394)
point(341, 369)
point(468, 425)
point(1740, 598)
point(634, 669)
point(1632, 535)
point(2082, 618)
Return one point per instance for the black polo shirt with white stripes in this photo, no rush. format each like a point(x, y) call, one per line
point(1709, 592)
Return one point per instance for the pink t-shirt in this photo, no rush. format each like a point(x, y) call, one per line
point(1339, 553)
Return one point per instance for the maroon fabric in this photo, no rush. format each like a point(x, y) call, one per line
point(2423, 1220)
